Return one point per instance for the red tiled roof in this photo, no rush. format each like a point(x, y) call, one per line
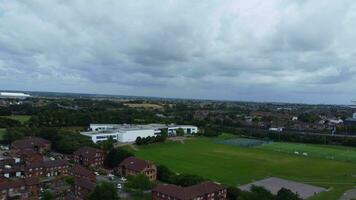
point(87, 151)
point(81, 171)
point(189, 192)
point(30, 143)
point(134, 164)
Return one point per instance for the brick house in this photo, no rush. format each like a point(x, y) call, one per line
point(28, 188)
point(79, 171)
point(39, 145)
point(47, 168)
point(202, 191)
point(29, 156)
point(83, 187)
point(89, 157)
point(132, 166)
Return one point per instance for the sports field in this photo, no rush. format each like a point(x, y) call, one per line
point(21, 118)
point(339, 153)
point(234, 165)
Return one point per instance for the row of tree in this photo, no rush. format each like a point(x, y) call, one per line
point(297, 137)
point(7, 122)
point(260, 193)
point(150, 139)
point(62, 141)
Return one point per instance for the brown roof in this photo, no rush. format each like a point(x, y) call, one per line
point(19, 183)
point(29, 143)
point(189, 192)
point(87, 151)
point(50, 163)
point(32, 181)
point(81, 171)
point(134, 164)
point(85, 183)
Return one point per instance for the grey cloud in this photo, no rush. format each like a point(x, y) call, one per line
point(250, 50)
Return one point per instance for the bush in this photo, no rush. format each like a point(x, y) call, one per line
point(139, 182)
point(166, 175)
point(116, 156)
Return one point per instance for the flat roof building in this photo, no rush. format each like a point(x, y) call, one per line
point(126, 133)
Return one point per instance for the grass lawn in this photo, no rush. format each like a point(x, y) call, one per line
point(340, 153)
point(21, 118)
point(233, 165)
point(2, 132)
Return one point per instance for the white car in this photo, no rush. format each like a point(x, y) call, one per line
point(123, 179)
point(96, 173)
point(119, 186)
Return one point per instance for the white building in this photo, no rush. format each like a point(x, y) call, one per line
point(128, 132)
point(14, 95)
point(277, 129)
point(188, 129)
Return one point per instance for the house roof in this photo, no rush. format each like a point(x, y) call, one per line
point(189, 192)
point(19, 183)
point(50, 163)
point(81, 171)
point(29, 143)
point(85, 183)
point(134, 164)
point(87, 151)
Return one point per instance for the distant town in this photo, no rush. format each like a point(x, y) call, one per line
point(98, 147)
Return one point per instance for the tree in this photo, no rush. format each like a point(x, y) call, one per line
point(232, 193)
point(47, 195)
point(12, 134)
point(209, 132)
point(116, 156)
point(108, 144)
point(164, 174)
point(285, 194)
point(70, 180)
point(139, 182)
point(261, 193)
point(104, 190)
point(179, 132)
point(186, 180)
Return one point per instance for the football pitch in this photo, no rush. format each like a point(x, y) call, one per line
point(236, 165)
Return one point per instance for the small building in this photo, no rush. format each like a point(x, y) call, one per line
point(82, 188)
point(202, 191)
point(89, 157)
point(79, 171)
point(36, 144)
point(132, 166)
point(188, 129)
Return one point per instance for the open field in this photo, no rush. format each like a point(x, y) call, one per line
point(21, 118)
point(2, 132)
point(235, 165)
point(339, 153)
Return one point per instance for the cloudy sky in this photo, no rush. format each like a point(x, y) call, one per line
point(275, 50)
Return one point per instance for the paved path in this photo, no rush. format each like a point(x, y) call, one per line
point(348, 195)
